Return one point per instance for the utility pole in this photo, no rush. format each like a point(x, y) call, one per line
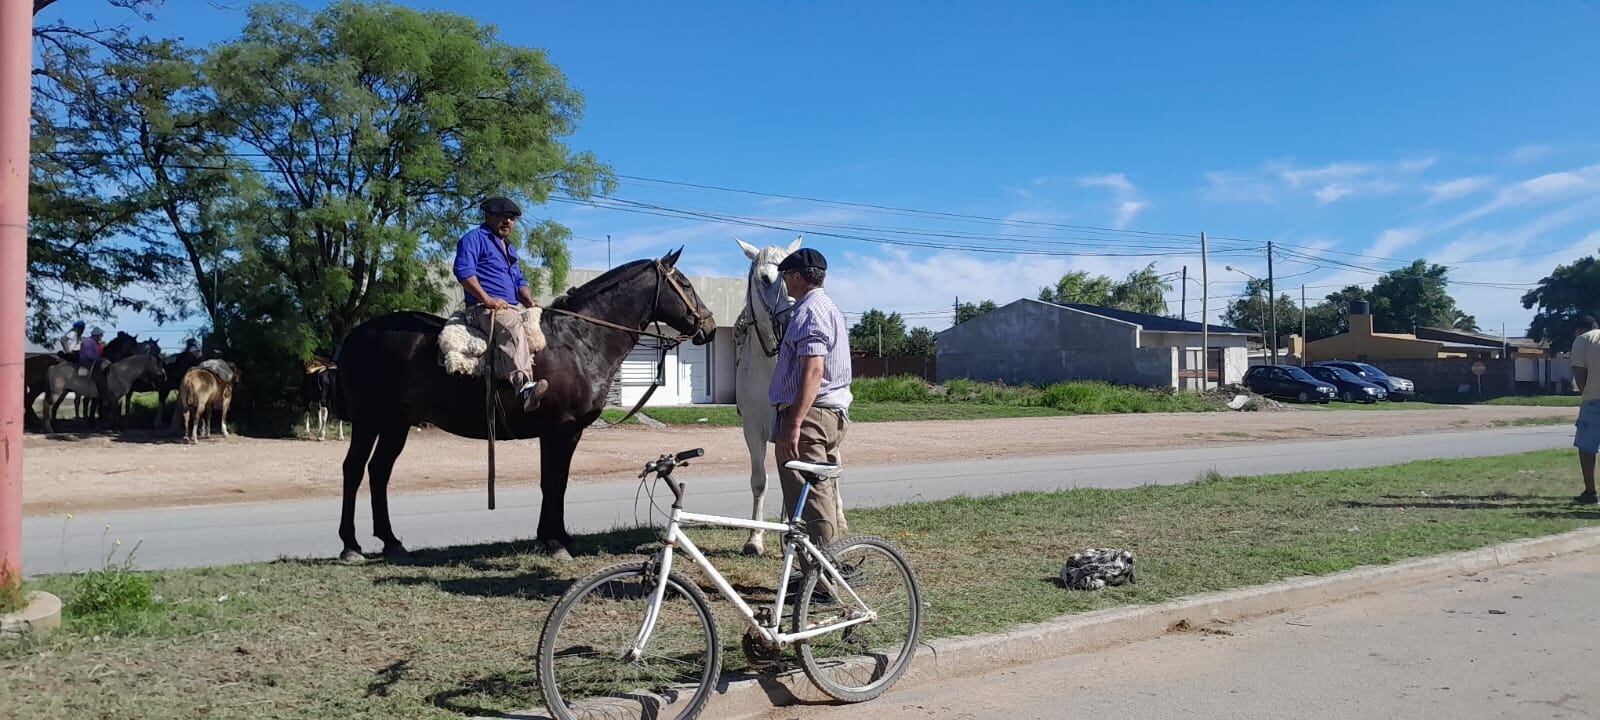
point(1303, 338)
point(1185, 293)
point(1205, 317)
point(16, 67)
point(1272, 303)
point(956, 319)
point(608, 252)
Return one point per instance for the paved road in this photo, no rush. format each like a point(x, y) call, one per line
point(1519, 643)
point(213, 535)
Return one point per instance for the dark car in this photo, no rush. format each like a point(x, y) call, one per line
point(1287, 381)
point(1351, 388)
point(1400, 389)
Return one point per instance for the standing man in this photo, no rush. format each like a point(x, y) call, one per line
point(486, 266)
point(1585, 357)
point(811, 391)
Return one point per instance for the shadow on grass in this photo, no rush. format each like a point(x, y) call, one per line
point(1574, 515)
point(538, 584)
point(388, 677)
point(1462, 502)
point(498, 685)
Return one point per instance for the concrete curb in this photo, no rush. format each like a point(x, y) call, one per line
point(742, 697)
point(42, 613)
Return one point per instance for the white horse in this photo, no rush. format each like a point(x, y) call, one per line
point(758, 333)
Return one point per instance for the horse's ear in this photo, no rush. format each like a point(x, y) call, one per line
point(671, 259)
point(750, 251)
point(793, 246)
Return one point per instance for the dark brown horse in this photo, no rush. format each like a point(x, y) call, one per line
point(390, 379)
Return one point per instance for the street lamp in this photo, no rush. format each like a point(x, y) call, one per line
point(1257, 292)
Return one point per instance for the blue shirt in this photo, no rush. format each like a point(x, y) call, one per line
point(816, 328)
point(493, 261)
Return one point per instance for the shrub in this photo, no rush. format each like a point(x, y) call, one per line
point(113, 598)
point(902, 388)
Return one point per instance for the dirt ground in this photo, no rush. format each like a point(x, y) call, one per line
point(89, 473)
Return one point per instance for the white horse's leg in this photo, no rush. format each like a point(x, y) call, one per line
point(755, 440)
point(227, 400)
point(308, 422)
point(322, 422)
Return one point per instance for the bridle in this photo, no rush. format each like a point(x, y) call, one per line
point(670, 341)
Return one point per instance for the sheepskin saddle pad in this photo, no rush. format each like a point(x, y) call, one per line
point(464, 348)
point(1097, 568)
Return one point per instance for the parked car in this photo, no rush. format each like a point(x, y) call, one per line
point(1400, 389)
point(1288, 381)
point(1351, 388)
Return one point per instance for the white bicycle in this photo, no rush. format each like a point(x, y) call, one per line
point(637, 639)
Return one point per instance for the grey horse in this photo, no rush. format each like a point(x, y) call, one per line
point(63, 378)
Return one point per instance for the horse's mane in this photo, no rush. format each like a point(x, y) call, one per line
point(606, 281)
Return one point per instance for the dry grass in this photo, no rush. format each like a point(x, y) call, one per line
point(453, 634)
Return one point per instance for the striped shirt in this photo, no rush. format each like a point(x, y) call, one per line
point(816, 328)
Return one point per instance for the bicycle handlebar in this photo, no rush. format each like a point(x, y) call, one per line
point(663, 467)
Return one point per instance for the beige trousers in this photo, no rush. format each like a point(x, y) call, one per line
point(821, 433)
point(509, 343)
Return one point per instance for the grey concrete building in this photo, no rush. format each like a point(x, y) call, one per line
point(1037, 343)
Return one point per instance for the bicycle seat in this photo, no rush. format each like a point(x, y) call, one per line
point(818, 470)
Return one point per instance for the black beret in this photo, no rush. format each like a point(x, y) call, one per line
point(803, 258)
point(500, 206)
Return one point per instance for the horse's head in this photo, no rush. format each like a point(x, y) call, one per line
point(765, 286)
point(151, 347)
point(152, 368)
point(678, 305)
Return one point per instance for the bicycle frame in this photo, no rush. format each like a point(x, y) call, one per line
point(677, 540)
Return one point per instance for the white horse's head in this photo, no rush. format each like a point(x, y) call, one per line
point(764, 284)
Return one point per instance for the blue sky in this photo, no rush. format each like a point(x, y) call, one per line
point(1463, 132)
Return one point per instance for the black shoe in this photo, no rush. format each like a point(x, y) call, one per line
point(1587, 498)
point(533, 394)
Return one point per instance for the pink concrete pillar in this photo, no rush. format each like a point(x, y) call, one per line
point(16, 66)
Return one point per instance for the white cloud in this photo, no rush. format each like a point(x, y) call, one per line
point(1395, 239)
point(1127, 205)
point(1128, 210)
point(1326, 184)
point(1115, 181)
point(1457, 188)
point(1530, 153)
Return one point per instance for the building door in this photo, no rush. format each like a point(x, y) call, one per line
point(694, 371)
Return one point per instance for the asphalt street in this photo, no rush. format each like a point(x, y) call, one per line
point(1517, 643)
point(224, 534)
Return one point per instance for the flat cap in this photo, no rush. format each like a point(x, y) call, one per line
point(498, 205)
point(803, 258)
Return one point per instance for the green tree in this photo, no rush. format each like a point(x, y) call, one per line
point(1568, 292)
point(921, 343)
point(878, 334)
point(1079, 287)
point(1249, 312)
point(968, 311)
point(86, 253)
point(1143, 291)
point(1415, 296)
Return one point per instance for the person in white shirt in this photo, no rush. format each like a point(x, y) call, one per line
point(72, 341)
point(1585, 357)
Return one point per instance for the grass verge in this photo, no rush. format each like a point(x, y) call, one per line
point(910, 398)
point(454, 632)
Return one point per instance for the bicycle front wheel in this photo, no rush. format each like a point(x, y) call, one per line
point(860, 662)
point(583, 670)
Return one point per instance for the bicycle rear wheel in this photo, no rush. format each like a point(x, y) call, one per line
point(581, 667)
point(860, 662)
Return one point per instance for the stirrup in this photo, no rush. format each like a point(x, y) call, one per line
point(824, 471)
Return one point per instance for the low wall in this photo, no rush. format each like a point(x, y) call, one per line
point(926, 368)
point(1445, 376)
point(1144, 367)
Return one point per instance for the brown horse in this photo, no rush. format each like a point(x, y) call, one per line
point(390, 379)
point(200, 391)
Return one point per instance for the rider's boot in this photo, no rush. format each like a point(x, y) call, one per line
point(532, 393)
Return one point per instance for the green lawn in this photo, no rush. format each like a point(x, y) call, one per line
point(911, 398)
point(1537, 400)
point(453, 633)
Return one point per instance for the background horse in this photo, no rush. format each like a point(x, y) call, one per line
point(198, 392)
point(35, 380)
point(757, 334)
point(65, 377)
point(390, 379)
point(125, 346)
point(317, 388)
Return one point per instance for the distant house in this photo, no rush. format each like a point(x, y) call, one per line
point(1362, 344)
point(1460, 343)
point(1037, 343)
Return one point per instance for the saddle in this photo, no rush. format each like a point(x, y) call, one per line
point(463, 347)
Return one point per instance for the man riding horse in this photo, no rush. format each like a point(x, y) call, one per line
point(72, 342)
point(487, 268)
